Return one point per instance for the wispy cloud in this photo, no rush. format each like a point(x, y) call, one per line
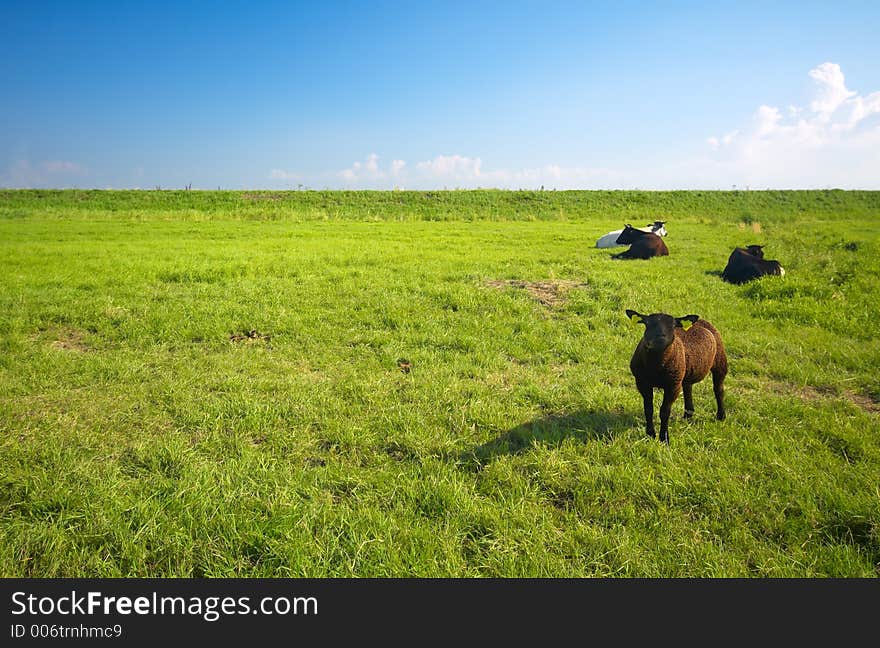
point(397, 167)
point(281, 174)
point(715, 142)
point(23, 174)
point(63, 167)
point(368, 170)
point(451, 168)
point(460, 171)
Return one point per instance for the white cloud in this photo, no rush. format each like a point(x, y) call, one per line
point(463, 172)
point(397, 167)
point(715, 142)
point(833, 142)
point(860, 108)
point(281, 174)
point(451, 168)
point(832, 89)
point(552, 176)
point(367, 171)
point(766, 120)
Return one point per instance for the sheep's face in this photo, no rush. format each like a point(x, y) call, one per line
point(755, 250)
point(660, 328)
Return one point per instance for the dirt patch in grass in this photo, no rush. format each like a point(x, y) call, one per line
point(563, 500)
point(68, 339)
point(865, 402)
point(856, 530)
point(549, 293)
point(249, 337)
point(400, 452)
point(754, 226)
point(259, 196)
point(809, 393)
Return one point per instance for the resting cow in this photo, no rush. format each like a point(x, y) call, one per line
point(746, 264)
point(609, 240)
point(642, 245)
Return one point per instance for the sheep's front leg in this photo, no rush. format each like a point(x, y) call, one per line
point(669, 396)
point(647, 393)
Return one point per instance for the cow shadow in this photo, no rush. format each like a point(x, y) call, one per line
point(550, 430)
point(714, 273)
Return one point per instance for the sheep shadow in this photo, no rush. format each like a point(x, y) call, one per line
point(714, 273)
point(550, 430)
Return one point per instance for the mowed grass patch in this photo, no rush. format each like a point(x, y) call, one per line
point(189, 390)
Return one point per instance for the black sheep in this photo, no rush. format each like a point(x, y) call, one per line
point(673, 354)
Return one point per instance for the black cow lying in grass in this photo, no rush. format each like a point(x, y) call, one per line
point(746, 264)
point(642, 245)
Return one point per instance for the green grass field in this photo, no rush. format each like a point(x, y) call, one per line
point(210, 384)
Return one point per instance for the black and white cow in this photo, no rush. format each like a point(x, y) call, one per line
point(609, 240)
point(642, 245)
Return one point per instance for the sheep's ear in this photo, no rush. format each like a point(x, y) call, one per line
point(634, 317)
point(687, 321)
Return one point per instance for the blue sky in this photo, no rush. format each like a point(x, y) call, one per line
point(419, 95)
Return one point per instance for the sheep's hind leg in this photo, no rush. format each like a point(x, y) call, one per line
point(718, 388)
point(669, 396)
point(688, 389)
